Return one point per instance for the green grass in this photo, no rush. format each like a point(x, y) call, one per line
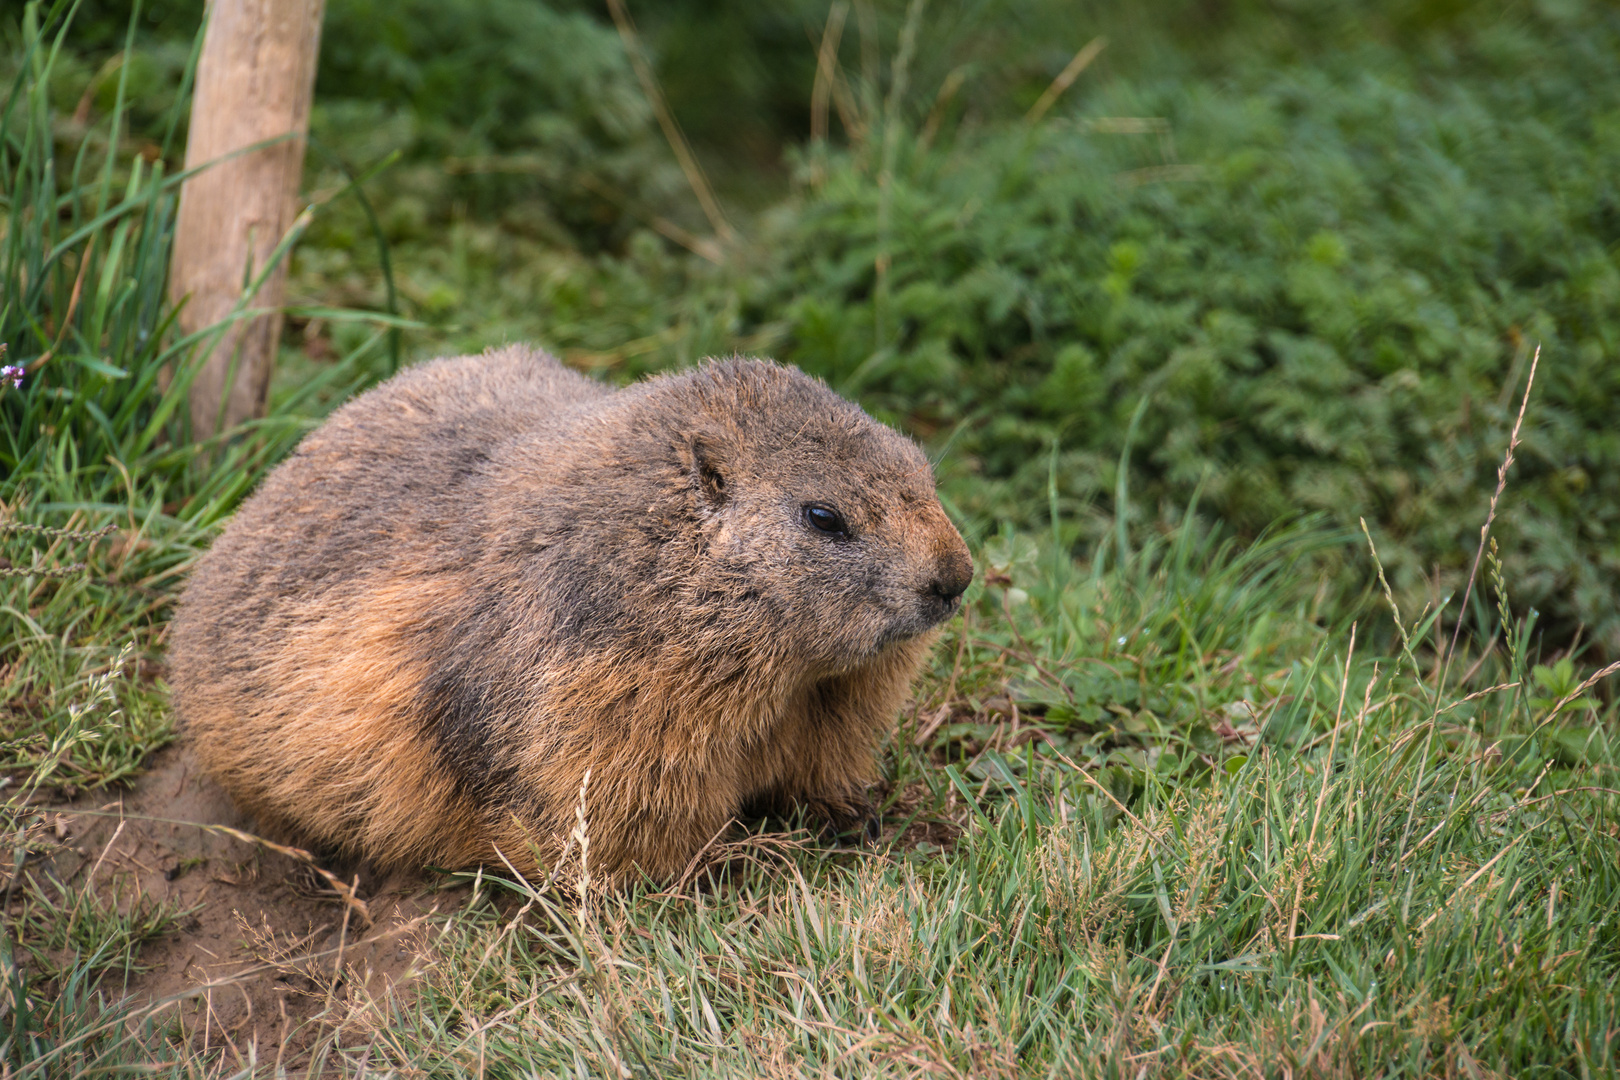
point(69, 930)
point(1166, 819)
point(74, 1031)
point(1347, 883)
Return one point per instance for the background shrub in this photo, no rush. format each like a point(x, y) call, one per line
point(1324, 280)
point(1316, 247)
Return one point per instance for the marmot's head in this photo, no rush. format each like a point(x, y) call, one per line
point(821, 534)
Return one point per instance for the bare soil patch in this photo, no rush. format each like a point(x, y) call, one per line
point(267, 955)
point(266, 959)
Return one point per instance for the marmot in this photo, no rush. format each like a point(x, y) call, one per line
point(489, 574)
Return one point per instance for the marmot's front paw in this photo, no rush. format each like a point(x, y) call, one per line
point(853, 820)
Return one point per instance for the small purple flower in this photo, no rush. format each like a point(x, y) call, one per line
point(13, 374)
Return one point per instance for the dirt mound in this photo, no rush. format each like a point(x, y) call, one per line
point(268, 952)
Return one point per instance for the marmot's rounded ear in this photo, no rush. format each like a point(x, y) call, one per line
point(706, 468)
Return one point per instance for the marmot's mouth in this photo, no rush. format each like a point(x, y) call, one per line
point(925, 616)
point(939, 607)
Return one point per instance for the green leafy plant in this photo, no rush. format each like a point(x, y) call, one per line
point(1325, 293)
point(1559, 684)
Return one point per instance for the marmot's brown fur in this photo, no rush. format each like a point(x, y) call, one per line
point(491, 574)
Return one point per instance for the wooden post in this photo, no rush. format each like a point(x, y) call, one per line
point(255, 79)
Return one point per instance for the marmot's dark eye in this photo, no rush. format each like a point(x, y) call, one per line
point(825, 519)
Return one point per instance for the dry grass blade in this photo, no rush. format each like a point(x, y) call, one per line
point(926, 732)
point(1475, 876)
point(1490, 518)
point(348, 892)
point(1568, 791)
point(1109, 795)
point(936, 113)
point(701, 246)
point(1082, 60)
point(73, 304)
point(1478, 694)
point(666, 120)
point(697, 861)
point(1468, 590)
point(1575, 694)
point(826, 69)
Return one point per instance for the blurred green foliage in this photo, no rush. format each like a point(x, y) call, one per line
point(1311, 246)
point(1326, 282)
point(523, 114)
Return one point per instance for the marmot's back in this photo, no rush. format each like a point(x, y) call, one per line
point(395, 466)
point(490, 575)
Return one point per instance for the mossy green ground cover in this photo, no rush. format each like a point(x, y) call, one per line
point(1182, 794)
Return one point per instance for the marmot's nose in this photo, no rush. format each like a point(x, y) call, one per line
point(952, 577)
